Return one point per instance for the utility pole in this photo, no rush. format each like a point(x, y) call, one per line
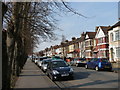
point(119, 11)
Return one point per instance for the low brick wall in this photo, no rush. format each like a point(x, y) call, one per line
point(116, 65)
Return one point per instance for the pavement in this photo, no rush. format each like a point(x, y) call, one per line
point(116, 67)
point(33, 77)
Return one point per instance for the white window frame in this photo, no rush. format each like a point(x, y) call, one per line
point(118, 52)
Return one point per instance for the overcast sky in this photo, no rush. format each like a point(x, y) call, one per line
point(99, 13)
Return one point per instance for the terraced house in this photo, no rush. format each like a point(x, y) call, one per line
point(102, 42)
point(114, 42)
point(82, 45)
point(89, 42)
point(71, 49)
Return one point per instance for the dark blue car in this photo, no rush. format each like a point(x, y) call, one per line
point(99, 64)
point(58, 69)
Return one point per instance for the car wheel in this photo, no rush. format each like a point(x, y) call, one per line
point(110, 69)
point(71, 77)
point(96, 68)
point(76, 65)
point(86, 66)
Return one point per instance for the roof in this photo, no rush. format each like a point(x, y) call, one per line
point(105, 29)
point(115, 25)
point(57, 60)
point(47, 59)
point(91, 34)
point(82, 38)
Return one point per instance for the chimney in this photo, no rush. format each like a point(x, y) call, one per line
point(83, 34)
point(96, 28)
point(73, 38)
point(66, 40)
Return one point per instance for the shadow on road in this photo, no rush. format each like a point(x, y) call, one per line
point(94, 83)
point(80, 75)
point(76, 76)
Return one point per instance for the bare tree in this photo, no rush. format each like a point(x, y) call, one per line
point(27, 23)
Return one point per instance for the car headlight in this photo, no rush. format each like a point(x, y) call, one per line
point(71, 70)
point(55, 72)
point(45, 67)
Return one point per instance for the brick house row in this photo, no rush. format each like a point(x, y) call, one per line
point(102, 43)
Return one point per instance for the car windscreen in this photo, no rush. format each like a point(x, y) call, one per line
point(81, 59)
point(57, 64)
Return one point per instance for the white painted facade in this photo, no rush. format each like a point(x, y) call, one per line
point(71, 48)
point(100, 33)
point(82, 49)
point(58, 51)
point(86, 37)
point(114, 44)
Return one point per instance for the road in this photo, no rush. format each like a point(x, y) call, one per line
point(33, 77)
point(87, 78)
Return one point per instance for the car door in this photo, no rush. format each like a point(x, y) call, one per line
point(48, 68)
point(94, 63)
point(90, 63)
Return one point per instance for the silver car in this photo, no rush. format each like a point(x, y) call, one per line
point(44, 64)
point(36, 60)
point(78, 62)
point(39, 62)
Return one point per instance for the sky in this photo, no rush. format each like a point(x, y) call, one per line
point(98, 13)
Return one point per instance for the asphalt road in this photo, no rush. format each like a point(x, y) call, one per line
point(87, 78)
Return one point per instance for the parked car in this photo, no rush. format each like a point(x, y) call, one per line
point(58, 69)
point(78, 62)
point(33, 58)
point(99, 64)
point(39, 62)
point(44, 64)
point(36, 60)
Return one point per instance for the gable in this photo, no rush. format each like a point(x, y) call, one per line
point(100, 33)
point(87, 36)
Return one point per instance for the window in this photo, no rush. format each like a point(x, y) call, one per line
point(103, 54)
point(94, 42)
point(117, 35)
point(111, 36)
point(100, 40)
point(59, 64)
point(118, 52)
